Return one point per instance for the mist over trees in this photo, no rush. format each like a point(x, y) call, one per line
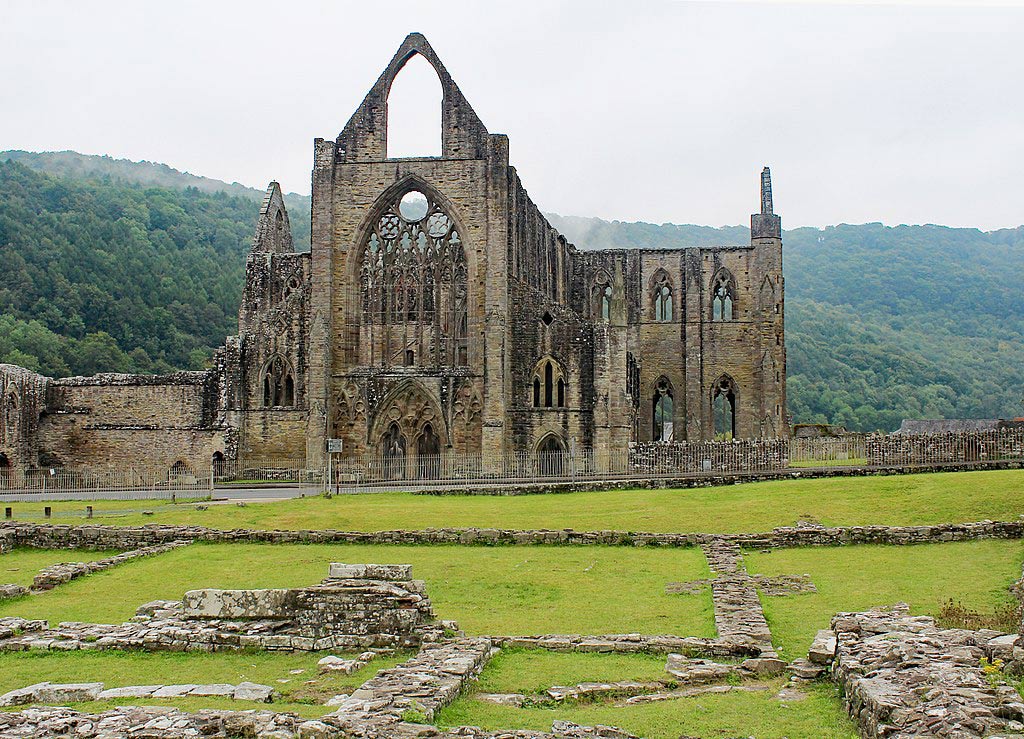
point(122, 266)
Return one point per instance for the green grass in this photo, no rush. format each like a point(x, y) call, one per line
point(977, 573)
point(532, 671)
point(488, 590)
point(895, 500)
point(820, 715)
point(21, 565)
point(300, 692)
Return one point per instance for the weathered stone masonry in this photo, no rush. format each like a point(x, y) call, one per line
point(439, 313)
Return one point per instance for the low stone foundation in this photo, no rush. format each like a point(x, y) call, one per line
point(631, 644)
point(902, 676)
point(49, 536)
point(58, 574)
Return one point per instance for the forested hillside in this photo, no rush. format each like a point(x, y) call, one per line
point(118, 266)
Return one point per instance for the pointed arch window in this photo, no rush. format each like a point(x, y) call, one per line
point(413, 276)
point(392, 452)
point(549, 385)
point(601, 296)
point(723, 297)
point(723, 409)
point(662, 297)
point(10, 419)
point(278, 384)
point(663, 412)
point(414, 111)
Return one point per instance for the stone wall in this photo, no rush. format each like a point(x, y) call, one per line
point(48, 536)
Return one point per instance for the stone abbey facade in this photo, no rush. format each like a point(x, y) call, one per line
point(439, 312)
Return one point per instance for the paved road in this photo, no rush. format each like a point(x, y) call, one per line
point(263, 493)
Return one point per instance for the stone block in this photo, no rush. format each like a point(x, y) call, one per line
point(253, 692)
point(22, 696)
point(823, 648)
point(232, 604)
point(342, 571)
point(69, 692)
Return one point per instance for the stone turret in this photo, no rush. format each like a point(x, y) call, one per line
point(766, 225)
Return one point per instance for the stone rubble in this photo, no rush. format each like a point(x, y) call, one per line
point(168, 723)
point(424, 684)
point(902, 676)
point(342, 614)
point(58, 574)
point(345, 666)
point(47, 692)
point(12, 590)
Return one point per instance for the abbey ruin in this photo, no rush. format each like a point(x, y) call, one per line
point(439, 312)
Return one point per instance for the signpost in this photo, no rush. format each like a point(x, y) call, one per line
point(334, 446)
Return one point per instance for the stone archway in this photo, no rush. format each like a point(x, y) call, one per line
point(551, 454)
point(409, 425)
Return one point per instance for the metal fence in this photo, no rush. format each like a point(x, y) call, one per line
point(131, 483)
point(644, 461)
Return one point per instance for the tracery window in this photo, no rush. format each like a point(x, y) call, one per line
point(601, 296)
point(278, 384)
point(548, 385)
point(414, 285)
point(662, 296)
point(663, 414)
point(723, 297)
point(723, 408)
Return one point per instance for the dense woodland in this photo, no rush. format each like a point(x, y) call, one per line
point(109, 265)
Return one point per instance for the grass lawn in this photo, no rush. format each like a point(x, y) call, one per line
point(21, 565)
point(977, 573)
point(760, 714)
point(488, 590)
point(897, 500)
point(300, 692)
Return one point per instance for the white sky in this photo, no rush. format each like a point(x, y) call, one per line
point(658, 111)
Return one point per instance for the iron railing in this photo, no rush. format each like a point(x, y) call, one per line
point(445, 471)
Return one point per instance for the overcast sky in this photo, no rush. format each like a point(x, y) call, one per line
point(655, 111)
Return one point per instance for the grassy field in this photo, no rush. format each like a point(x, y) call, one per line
point(488, 590)
point(302, 692)
point(21, 565)
point(896, 500)
point(977, 573)
point(760, 714)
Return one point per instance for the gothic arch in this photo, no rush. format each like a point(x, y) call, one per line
point(724, 407)
point(414, 275)
point(9, 414)
point(277, 383)
point(410, 407)
point(549, 384)
point(662, 295)
point(723, 296)
point(663, 410)
point(601, 296)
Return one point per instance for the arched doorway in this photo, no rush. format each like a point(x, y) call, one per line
point(392, 453)
point(218, 464)
point(428, 454)
point(550, 456)
point(5, 470)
